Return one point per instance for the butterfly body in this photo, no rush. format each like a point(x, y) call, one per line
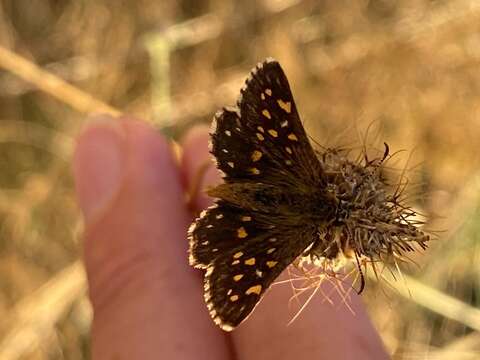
point(294, 205)
point(281, 200)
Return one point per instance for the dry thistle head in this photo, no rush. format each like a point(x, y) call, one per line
point(370, 222)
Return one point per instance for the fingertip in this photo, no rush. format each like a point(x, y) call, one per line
point(196, 134)
point(98, 165)
point(198, 168)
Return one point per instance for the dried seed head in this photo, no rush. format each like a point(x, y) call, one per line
point(370, 221)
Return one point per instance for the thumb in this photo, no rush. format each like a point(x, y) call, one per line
point(99, 166)
point(141, 287)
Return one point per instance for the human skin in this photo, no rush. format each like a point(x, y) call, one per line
point(147, 301)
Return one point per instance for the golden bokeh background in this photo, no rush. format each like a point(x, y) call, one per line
point(405, 72)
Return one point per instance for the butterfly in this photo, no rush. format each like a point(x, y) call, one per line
point(281, 200)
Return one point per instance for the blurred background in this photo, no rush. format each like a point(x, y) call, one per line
point(407, 69)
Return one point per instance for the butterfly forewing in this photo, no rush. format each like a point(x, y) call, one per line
point(263, 138)
point(222, 228)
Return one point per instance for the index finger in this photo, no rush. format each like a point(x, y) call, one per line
point(323, 330)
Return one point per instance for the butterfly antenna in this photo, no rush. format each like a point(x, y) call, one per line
point(362, 278)
point(386, 152)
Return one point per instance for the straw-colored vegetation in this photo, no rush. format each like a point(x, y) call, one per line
point(406, 69)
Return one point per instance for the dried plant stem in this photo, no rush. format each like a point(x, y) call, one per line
point(435, 300)
point(33, 318)
point(52, 85)
point(465, 348)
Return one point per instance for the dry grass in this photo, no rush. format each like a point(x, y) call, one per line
point(410, 68)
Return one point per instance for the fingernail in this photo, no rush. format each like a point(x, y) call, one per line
point(99, 165)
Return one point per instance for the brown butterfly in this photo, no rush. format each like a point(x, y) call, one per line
point(280, 200)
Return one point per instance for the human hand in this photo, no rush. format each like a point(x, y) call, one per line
point(147, 301)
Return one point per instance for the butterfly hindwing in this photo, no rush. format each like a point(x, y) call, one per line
point(243, 254)
point(263, 139)
point(219, 229)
